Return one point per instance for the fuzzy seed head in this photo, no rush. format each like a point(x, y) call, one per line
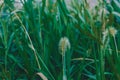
point(105, 34)
point(112, 31)
point(64, 45)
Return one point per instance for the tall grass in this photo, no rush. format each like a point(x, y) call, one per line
point(30, 40)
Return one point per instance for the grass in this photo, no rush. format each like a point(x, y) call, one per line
point(51, 40)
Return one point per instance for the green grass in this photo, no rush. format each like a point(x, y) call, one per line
point(30, 37)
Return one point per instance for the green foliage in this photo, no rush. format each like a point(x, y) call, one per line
point(30, 35)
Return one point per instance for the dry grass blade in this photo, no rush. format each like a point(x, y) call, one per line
point(42, 76)
point(87, 59)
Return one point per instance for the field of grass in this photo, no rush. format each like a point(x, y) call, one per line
point(49, 40)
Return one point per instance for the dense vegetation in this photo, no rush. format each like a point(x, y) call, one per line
point(50, 40)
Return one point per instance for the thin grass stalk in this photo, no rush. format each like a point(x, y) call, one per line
point(46, 67)
point(102, 62)
point(102, 54)
point(6, 51)
point(96, 64)
point(103, 47)
point(35, 52)
point(116, 48)
point(105, 41)
point(40, 21)
point(31, 44)
point(64, 46)
point(64, 66)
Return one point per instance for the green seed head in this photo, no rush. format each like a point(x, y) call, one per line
point(112, 31)
point(64, 45)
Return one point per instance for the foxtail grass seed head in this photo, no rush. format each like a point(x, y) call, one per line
point(105, 34)
point(112, 31)
point(64, 45)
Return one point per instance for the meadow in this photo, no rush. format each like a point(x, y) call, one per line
point(59, 40)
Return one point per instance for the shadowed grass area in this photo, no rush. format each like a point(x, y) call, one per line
point(54, 40)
